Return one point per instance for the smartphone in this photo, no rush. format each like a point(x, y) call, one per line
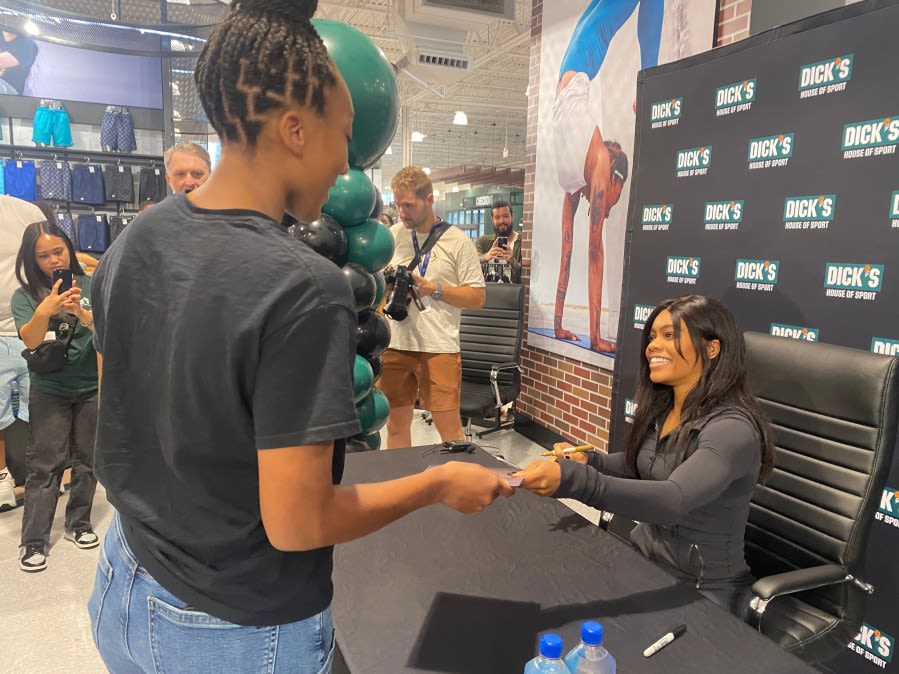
point(67, 278)
point(501, 241)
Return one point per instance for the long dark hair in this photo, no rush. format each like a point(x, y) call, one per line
point(264, 55)
point(722, 383)
point(35, 282)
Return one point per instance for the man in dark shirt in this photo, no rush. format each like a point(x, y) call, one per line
point(501, 259)
point(17, 54)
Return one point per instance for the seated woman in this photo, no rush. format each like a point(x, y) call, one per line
point(698, 446)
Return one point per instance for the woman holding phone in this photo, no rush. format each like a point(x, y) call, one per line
point(54, 298)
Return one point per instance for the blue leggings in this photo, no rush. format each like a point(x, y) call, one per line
point(599, 23)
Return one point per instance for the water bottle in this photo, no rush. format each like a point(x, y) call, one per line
point(590, 657)
point(550, 658)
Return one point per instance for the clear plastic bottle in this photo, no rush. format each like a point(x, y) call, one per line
point(550, 658)
point(590, 656)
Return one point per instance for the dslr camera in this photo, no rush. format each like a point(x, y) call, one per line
point(403, 290)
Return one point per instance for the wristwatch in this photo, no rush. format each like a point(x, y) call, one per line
point(438, 292)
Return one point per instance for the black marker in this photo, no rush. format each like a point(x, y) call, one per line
point(664, 641)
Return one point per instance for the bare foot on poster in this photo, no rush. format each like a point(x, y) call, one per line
point(562, 333)
point(602, 345)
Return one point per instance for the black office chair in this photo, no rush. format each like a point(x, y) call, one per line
point(491, 347)
point(834, 411)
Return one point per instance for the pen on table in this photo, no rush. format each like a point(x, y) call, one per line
point(572, 450)
point(664, 641)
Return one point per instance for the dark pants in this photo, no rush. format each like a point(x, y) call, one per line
point(61, 427)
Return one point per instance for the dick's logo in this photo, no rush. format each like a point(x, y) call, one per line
point(888, 347)
point(736, 97)
point(641, 313)
point(853, 280)
point(794, 332)
point(770, 151)
point(723, 215)
point(683, 269)
point(694, 162)
point(894, 209)
point(756, 274)
point(888, 513)
point(657, 218)
point(872, 138)
point(825, 77)
point(630, 409)
point(874, 645)
point(666, 113)
point(809, 212)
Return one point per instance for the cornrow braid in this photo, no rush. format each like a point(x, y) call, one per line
point(263, 56)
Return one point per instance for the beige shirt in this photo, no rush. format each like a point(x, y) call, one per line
point(454, 262)
point(15, 216)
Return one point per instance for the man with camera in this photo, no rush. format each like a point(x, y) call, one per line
point(438, 273)
point(501, 251)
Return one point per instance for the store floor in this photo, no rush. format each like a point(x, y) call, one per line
point(45, 626)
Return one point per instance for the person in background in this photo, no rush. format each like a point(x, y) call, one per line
point(224, 403)
point(146, 206)
point(501, 262)
point(187, 166)
point(17, 55)
point(63, 404)
point(698, 446)
point(15, 216)
point(423, 361)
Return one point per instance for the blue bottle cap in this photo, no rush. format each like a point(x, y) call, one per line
point(551, 646)
point(591, 633)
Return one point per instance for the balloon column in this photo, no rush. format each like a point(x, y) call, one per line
point(348, 232)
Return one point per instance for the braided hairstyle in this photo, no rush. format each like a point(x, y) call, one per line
point(265, 55)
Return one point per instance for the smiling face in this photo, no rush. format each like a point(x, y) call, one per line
point(668, 365)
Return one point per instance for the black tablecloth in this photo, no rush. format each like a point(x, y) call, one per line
point(443, 592)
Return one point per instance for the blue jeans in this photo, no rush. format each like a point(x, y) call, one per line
point(139, 627)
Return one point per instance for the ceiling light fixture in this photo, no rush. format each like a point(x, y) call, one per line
point(427, 171)
point(31, 28)
point(460, 118)
point(417, 137)
point(389, 149)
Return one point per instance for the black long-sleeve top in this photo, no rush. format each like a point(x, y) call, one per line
point(693, 504)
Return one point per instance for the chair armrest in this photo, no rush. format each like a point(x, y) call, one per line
point(801, 579)
point(496, 368)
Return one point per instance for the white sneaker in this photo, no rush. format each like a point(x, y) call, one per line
point(7, 491)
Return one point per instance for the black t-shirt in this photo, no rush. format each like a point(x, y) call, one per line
point(25, 51)
point(220, 334)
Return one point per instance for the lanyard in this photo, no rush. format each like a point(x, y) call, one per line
point(425, 259)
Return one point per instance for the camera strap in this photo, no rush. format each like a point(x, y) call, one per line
point(423, 253)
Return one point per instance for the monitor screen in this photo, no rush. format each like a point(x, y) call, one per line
point(34, 67)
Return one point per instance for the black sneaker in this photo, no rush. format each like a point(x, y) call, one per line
point(33, 558)
point(84, 539)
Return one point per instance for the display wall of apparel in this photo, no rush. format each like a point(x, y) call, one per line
point(52, 127)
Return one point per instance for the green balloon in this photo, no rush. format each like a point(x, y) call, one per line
point(373, 411)
point(373, 440)
point(370, 245)
point(352, 199)
point(381, 283)
point(372, 83)
point(363, 378)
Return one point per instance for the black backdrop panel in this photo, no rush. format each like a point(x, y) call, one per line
point(767, 176)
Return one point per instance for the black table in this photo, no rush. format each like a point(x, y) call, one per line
point(443, 592)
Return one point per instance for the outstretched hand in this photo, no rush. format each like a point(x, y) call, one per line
point(541, 477)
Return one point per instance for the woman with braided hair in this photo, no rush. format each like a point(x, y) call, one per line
point(227, 383)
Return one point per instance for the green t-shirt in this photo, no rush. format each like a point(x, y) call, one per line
point(80, 373)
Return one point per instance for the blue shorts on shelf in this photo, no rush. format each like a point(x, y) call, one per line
point(87, 185)
point(52, 125)
point(56, 181)
point(19, 175)
point(117, 131)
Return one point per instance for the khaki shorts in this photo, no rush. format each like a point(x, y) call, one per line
point(433, 378)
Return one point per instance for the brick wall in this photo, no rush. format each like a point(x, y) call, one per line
point(567, 396)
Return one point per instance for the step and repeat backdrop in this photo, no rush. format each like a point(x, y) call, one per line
point(767, 176)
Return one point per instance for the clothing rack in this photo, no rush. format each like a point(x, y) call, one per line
point(16, 152)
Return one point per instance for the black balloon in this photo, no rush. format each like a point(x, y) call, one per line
point(372, 335)
point(362, 283)
point(376, 367)
point(325, 236)
point(379, 205)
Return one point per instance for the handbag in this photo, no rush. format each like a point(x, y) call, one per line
point(53, 354)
